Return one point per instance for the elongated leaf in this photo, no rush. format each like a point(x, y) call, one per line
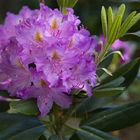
point(137, 34)
point(134, 21)
point(89, 133)
point(107, 61)
point(63, 4)
point(131, 75)
point(116, 24)
point(74, 137)
point(125, 24)
point(71, 3)
point(54, 137)
point(131, 67)
point(108, 92)
point(129, 1)
point(104, 21)
point(110, 18)
point(19, 127)
point(104, 70)
point(93, 103)
point(121, 10)
point(114, 29)
point(60, 2)
point(115, 119)
point(27, 107)
point(113, 84)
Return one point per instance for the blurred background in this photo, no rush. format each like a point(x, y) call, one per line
point(89, 13)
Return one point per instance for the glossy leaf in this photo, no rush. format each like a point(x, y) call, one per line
point(125, 24)
point(89, 133)
point(93, 103)
point(116, 24)
point(54, 137)
point(108, 92)
point(137, 34)
point(134, 20)
point(128, 71)
point(27, 107)
point(110, 18)
point(20, 127)
point(117, 118)
point(63, 4)
point(108, 59)
point(104, 21)
point(106, 71)
point(112, 84)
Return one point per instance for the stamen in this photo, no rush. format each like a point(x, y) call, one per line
point(43, 83)
point(19, 64)
point(54, 24)
point(55, 56)
point(38, 36)
point(71, 43)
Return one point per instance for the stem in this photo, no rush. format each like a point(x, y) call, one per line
point(103, 53)
point(57, 122)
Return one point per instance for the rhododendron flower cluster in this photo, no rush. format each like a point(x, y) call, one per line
point(44, 54)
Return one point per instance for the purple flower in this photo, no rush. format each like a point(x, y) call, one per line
point(45, 55)
point(125, 49)
point(99, 45)
point(118, 45)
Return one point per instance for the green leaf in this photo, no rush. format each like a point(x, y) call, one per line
point(104, 21)
point(116, 24)
point(54, 137)
point(71, 3)
point(107, 61)
point(137, 34)
point(63, 4)
point(133, 21)
point(108, 92)
point(93, 103)
point(4, 93)
point(106, 71)
point(131, 36)
point(74, 137)
point(114, 83)
point(115, 119)
point(27, 107)
point(129, 1)
point(114, 29)
point(19, 127)
point(110, 18)
point(131, 75)
point(89, 133)
point(128, 71)
point(125, 24)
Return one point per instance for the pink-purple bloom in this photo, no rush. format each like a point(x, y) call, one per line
point(44, 54)
point(125, 49)
point(118, 45)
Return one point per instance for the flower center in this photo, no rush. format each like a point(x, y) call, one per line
point(54, 24)
point(38, 36)
point(43, 83)
point(55, 56)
